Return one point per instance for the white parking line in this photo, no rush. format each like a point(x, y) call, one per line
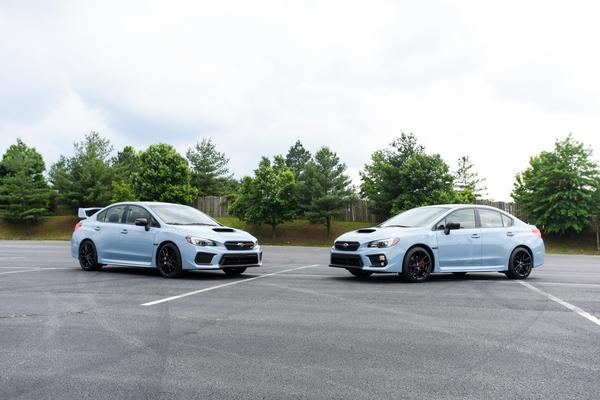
point(30, 270)
point(563, 303)
point(208, 289)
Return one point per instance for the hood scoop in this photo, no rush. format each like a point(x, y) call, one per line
point(369, 230)
point(223, 230)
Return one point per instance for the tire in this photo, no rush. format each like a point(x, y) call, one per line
point(88, 256)
point(233, 271)
point(520, 264)
point(168, 261)
point(359, 273)
point(417, 265)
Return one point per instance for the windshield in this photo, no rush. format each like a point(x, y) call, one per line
point(415, 217)
point(173, 214)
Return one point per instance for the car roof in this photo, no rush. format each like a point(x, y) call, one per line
point(143, 203)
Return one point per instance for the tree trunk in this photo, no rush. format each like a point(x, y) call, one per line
point(273, 235)
point(328, 222)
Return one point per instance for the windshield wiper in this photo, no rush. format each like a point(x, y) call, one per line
point(397, 226)
point(199, 223)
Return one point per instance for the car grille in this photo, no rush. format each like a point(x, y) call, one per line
point(239, 245)
point(242, 259)
point(346, 260)
point(347, 246)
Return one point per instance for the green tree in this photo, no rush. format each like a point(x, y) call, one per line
point(297, 157)
point(269, 197)
point(210, 173)
point(85, 179)
point(24, 193)
point(596, 214)
point(404, 176)
point(125, 165)
point(163, 176)
point(556, 190)
point(326, 187)
point(467, 183)
point(426, 180)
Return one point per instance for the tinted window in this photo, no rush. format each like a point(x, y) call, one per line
point(464, 217)
point(136, 212)
point(507, 221)
point(174, 214)
point(114, 214)
point(490, 219)
point(415, 217)
point(101, 216)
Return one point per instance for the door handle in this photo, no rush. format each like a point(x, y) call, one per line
point(510, 234)
point(475, 236)
point(124, 231)
point(96, 228)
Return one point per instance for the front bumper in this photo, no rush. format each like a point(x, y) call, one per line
point(384, 260)
point(217, 257)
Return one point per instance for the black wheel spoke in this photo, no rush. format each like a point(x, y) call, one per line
point(521, 263)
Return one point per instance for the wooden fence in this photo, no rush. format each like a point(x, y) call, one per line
point(217, 206)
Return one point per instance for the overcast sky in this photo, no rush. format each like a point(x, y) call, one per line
point(498, 81)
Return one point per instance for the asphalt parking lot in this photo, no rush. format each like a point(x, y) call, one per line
point(293, 329)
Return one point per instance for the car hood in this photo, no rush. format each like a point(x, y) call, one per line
point(216, 233)
point(364, 235)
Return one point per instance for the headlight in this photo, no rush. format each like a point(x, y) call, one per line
point(384, 242)
point(199, 241)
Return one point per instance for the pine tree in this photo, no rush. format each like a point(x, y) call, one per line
point(24, 193)
point(467, 183)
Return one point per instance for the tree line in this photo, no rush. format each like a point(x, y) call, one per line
point(559, 190)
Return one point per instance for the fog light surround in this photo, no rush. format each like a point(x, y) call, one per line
point(378, 260)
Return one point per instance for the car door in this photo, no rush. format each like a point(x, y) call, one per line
point(137, 243)
point(495, 238)
point(107, 234)
point(460, 249)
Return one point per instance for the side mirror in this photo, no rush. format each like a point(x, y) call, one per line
point(142, 222)
point(450, 226)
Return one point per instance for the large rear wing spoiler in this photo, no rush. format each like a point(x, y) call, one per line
point(84, 213)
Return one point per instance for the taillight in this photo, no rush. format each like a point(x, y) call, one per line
point(78, 225)
point(536, 232)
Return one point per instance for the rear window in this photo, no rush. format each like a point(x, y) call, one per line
point(507, 221)
point(101, 216)
point(490, 218)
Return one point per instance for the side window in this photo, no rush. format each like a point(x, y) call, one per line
point(114, 214)
point(136, 212)
point(507, 221)
point(101, 216)
point(490, 218)
point(464, 217)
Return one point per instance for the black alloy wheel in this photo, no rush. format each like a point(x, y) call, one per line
point(519, 264)
point(417, 265)
point(359, 273)
point(234, 270)
point(168, 261)
point(88, 257)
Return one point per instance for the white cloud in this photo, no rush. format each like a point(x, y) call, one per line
point(498, 82)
